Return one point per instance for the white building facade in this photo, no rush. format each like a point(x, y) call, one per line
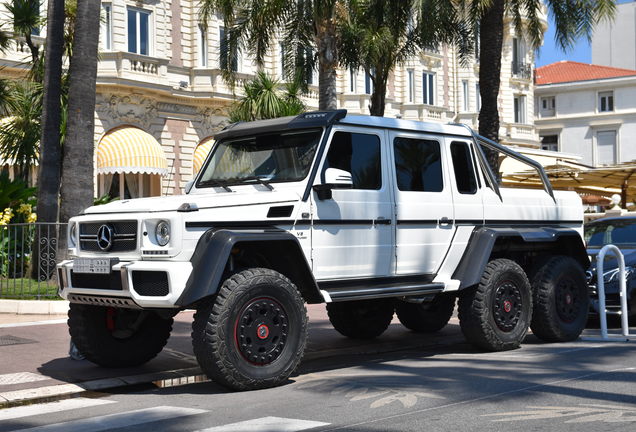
point(159, 85)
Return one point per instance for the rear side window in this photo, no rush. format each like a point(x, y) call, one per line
point(464, 168)
point(418, 165)
point(358, 154)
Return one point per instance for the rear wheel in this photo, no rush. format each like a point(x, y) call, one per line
point(561, 300)
point(252, 335)
point(362, 319)
point(426, 317)
point(115, 337)
point(495, 315)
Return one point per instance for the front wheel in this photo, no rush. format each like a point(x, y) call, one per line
point(253, 334)
point(496, 314)
point(116, 337)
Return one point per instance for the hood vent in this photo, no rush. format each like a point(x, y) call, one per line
point(280, 211)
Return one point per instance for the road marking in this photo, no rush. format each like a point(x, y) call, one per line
point(64, 405)
point(33, 323)
point(584, 413)
point(267, 424)
point(120, 420)
point(20, 378)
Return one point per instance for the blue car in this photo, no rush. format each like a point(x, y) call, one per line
point(621, 232)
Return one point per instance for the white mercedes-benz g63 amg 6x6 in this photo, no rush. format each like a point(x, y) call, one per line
point(372, 216)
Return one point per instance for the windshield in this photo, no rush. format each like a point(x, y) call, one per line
point(277, 157)
point(621, 233)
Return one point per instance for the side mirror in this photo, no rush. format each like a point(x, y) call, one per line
point(334, 179)
point(188, 186)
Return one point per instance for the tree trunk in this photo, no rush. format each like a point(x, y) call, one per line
point(327, 64)
point(490, 48)
point(79, 145)
point(378, 97)
point(50, 151)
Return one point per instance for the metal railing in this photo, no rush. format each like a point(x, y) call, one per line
point(522, 70)
point(28, 255)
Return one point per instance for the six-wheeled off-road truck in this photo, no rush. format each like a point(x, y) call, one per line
point(372, 216)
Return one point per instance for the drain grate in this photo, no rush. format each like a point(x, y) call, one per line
point(14, 340)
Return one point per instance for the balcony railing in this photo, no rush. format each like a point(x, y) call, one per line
point(522, 70)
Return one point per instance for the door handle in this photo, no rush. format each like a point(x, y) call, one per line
point(445, 221)
point(381, 220)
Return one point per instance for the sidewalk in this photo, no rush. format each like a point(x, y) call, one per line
point(35, 364)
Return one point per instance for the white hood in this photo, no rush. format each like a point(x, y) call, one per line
point(211, 200)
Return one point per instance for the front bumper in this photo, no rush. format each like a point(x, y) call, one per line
point(130, 284)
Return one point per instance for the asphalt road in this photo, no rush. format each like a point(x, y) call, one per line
point(564, 387)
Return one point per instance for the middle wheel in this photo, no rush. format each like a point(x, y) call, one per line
point(362, 319)
point(426, 317)
point(496, 314)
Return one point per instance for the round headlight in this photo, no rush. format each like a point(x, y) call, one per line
point(73, 234)
point(162, 233)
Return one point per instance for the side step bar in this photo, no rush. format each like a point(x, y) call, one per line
point(348, 293)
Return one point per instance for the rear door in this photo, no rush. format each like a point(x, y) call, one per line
point(423, 202)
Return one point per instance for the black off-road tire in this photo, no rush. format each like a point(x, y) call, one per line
point(496, 314)
point(252, 335)
point(560, 300)
point(103, 335)
point(426, 317)
point(362, 319)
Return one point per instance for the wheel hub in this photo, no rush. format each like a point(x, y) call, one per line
point(261, 331)
point(507, 306)
point(567, 300)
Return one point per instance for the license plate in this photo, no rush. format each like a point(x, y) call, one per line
point(92, 265)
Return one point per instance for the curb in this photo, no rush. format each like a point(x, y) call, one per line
point(34, 307)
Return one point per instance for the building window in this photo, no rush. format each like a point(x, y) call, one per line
point(478, 96)
point(606, 101)
point(411, 84)
point(465, 94)
point(203, 46)
point(35, 7)
point(281, 50)
point(428, 91)
point(606, 147)
point(225, 52)
point(106, 27)
point(520, 109)
point(550, 142)
point(548, 106)
point(138, 31)
point(353, 77)
point(368, 83)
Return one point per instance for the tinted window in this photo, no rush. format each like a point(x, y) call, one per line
point(464, 172)
point(621, 232)
point(418, 165)
point(358, 154)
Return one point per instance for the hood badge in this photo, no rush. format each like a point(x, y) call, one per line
point(105, 236)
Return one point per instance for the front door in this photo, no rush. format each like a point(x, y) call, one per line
point(352, 232)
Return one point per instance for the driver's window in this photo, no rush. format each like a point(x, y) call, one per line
point(358, 154)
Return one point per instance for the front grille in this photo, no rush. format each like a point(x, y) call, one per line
point(150, 283)
point(111, 281)
point(124, 238)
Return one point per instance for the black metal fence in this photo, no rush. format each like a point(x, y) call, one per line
point(28, 255)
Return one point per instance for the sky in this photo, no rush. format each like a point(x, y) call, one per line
point(550, 52)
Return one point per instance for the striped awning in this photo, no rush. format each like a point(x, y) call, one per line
point(200, 153)
point(128, 149)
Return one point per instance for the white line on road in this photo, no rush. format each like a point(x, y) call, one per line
point(64, 405)
point(267, 424)
point(21, 378)
point(120, 420)
point(33, 323)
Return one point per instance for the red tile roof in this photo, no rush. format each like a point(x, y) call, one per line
point(569, 71)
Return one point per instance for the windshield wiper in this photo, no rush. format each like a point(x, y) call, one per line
point(216, 183)
point(257, 179)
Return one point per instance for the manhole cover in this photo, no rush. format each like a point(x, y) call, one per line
point(14, 340)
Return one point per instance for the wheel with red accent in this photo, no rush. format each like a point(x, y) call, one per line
point(252, 335)
point(495, 315)
point(117, 337)
point(560, 300)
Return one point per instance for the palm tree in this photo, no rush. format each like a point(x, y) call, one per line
point(573, 19)
point(25, 18)
point(376, 35)
point(303, 25)
point(77, 165)
point(263, 100)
